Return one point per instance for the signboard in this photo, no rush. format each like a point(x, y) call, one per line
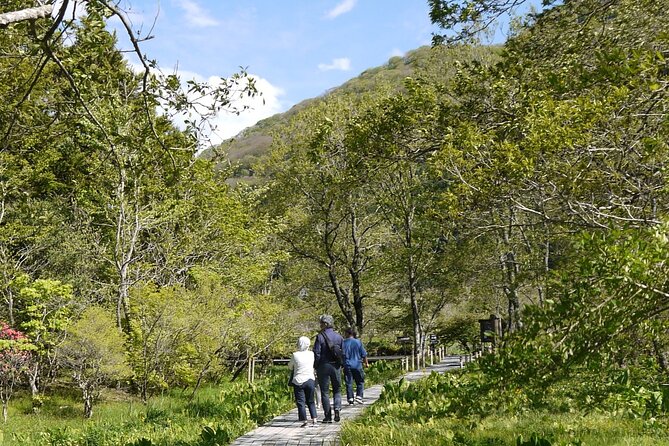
point(434, 339)
point(403, 339)
point(490, 329)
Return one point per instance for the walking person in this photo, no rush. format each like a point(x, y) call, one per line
point(356, 356)
point(303, 381)
point(328, 350)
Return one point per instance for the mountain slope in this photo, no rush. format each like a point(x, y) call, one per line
point(439, 64)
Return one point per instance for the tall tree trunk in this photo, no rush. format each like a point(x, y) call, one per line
point(510, 272)
point(510, 269)
point(412, 284)
point(128, 227)
point(355, 270)
point(33, 379)
point(661, 354)
point(415, 313)
point(88, 403)
point(341, 295)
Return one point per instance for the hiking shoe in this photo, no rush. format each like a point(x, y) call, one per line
point(358, 399)
point(313, 423)
point(350, 402)
point(337, 418)
point(327, 420)
point(305, 424)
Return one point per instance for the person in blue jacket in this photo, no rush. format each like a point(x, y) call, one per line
point(328, 350)
point(356, 356)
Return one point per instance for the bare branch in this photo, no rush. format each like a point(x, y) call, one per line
point(25, 14)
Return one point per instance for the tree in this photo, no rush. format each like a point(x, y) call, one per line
point(564, 136)
point(49, 22)
point(330, 219)
point(392, 141)
point(14, 360)
point(94, 353)
point(45, 309)
point(467, 19)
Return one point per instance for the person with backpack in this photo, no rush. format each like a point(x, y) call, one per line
point(356, 356)
point(329, 356)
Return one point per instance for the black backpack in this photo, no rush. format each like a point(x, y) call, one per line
point(335, 350)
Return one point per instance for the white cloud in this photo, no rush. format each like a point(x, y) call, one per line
point(342, 8)
point(195, 15)
point(260, 107)
point(396, 52)
point(227, 124)
point(343, 64)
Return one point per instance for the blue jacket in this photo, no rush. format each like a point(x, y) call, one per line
point(321, 351)
point(354, 352)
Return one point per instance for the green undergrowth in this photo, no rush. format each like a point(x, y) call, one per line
point(530, 429)
point(216, 416)
point(465, 409)
point(381, 372)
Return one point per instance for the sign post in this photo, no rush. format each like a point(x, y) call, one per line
point(404, 340)
point(491, 330)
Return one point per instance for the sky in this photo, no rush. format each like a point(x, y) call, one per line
point(296, 49)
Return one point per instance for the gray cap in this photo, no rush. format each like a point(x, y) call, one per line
point(327, 320)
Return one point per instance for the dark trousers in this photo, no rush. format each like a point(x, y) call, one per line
point(357, 375)
point(304, 397)
point(328, 372)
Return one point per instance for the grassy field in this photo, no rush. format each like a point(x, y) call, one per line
point(216, 416)
point(530, 429)
point(460, 408)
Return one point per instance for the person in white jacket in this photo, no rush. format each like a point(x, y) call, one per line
point(304, 381)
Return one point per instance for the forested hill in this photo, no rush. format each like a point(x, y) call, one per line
point(253, 143)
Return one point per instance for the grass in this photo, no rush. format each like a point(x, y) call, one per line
point(461, 408)
point(224, 412)
point(217, 414)
point(499, 430)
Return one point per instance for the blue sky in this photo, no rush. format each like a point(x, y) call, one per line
point(296, 49)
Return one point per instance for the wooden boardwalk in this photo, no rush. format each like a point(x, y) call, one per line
point(285, 430)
